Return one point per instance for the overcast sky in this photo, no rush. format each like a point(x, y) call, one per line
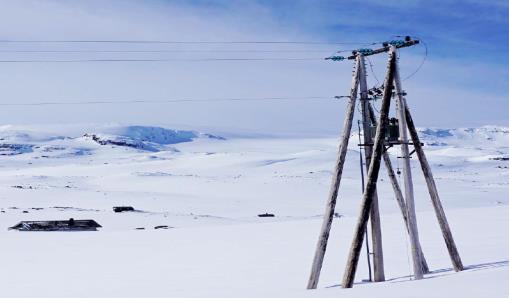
point(462, 82)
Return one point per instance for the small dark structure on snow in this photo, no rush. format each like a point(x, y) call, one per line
point(123, 208)
point(266, 215)
point(57, 225)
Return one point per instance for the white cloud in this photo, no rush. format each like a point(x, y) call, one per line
point(149, 20)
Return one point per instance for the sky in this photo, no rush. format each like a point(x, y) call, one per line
point(461, 83)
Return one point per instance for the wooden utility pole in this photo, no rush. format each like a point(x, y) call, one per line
point(435, 199)
point(361, 163)
point(397, 190)
point(336, 179)
point(374, 168)
point(374, 152)
point(376, 230)
point(407, 177)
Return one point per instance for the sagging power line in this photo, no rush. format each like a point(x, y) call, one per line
point(175, 100)
point(192, 42)
point(166, 51)
point(157, 60)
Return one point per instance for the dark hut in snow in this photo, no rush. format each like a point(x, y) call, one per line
point(57, 225)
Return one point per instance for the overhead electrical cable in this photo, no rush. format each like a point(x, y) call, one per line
point(373, 71)
point(165, 51)
point(424, 58)
point(157, 60)
point(190, 42)
point(422, 62)
point(176, 100)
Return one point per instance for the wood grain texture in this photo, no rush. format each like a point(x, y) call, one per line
point(336, 180)
point(397, 190)
point(374, 168)
point(435, 199)
point(376, 229)
point(413, 231)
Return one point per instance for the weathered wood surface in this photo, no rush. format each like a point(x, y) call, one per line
point(397, 190)
point(361, 163)
point(435, 199)
point(336, 180)
point(407, 177)
point(376, 230)
point(374, 168)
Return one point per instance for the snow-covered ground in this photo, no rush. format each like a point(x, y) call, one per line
point(209, 189)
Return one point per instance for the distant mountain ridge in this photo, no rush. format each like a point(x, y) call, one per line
point(14, 141)
point(486, 135)
point(145, 138)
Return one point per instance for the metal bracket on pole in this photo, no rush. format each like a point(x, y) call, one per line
point(408, 42)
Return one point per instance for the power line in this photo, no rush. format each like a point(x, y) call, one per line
point(138, 101)
point(164, 51)
point(424, 58)
point(159, 60)
point(373, 71)
point(190, 42)
point(422, 62)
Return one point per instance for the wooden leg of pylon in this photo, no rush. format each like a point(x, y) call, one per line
point(374, 168)
point(376, 229)
point(336, 179)
point(435, 199)
point(397, 191)
point(402, 204)
point(413, 231)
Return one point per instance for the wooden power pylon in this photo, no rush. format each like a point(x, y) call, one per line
point(375, 150)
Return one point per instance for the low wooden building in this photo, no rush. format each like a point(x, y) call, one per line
point(57, 225)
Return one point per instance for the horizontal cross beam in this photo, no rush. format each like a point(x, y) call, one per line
point(385, 49)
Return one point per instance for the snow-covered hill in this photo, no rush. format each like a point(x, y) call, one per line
point(209, 191)
point(144, 138)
